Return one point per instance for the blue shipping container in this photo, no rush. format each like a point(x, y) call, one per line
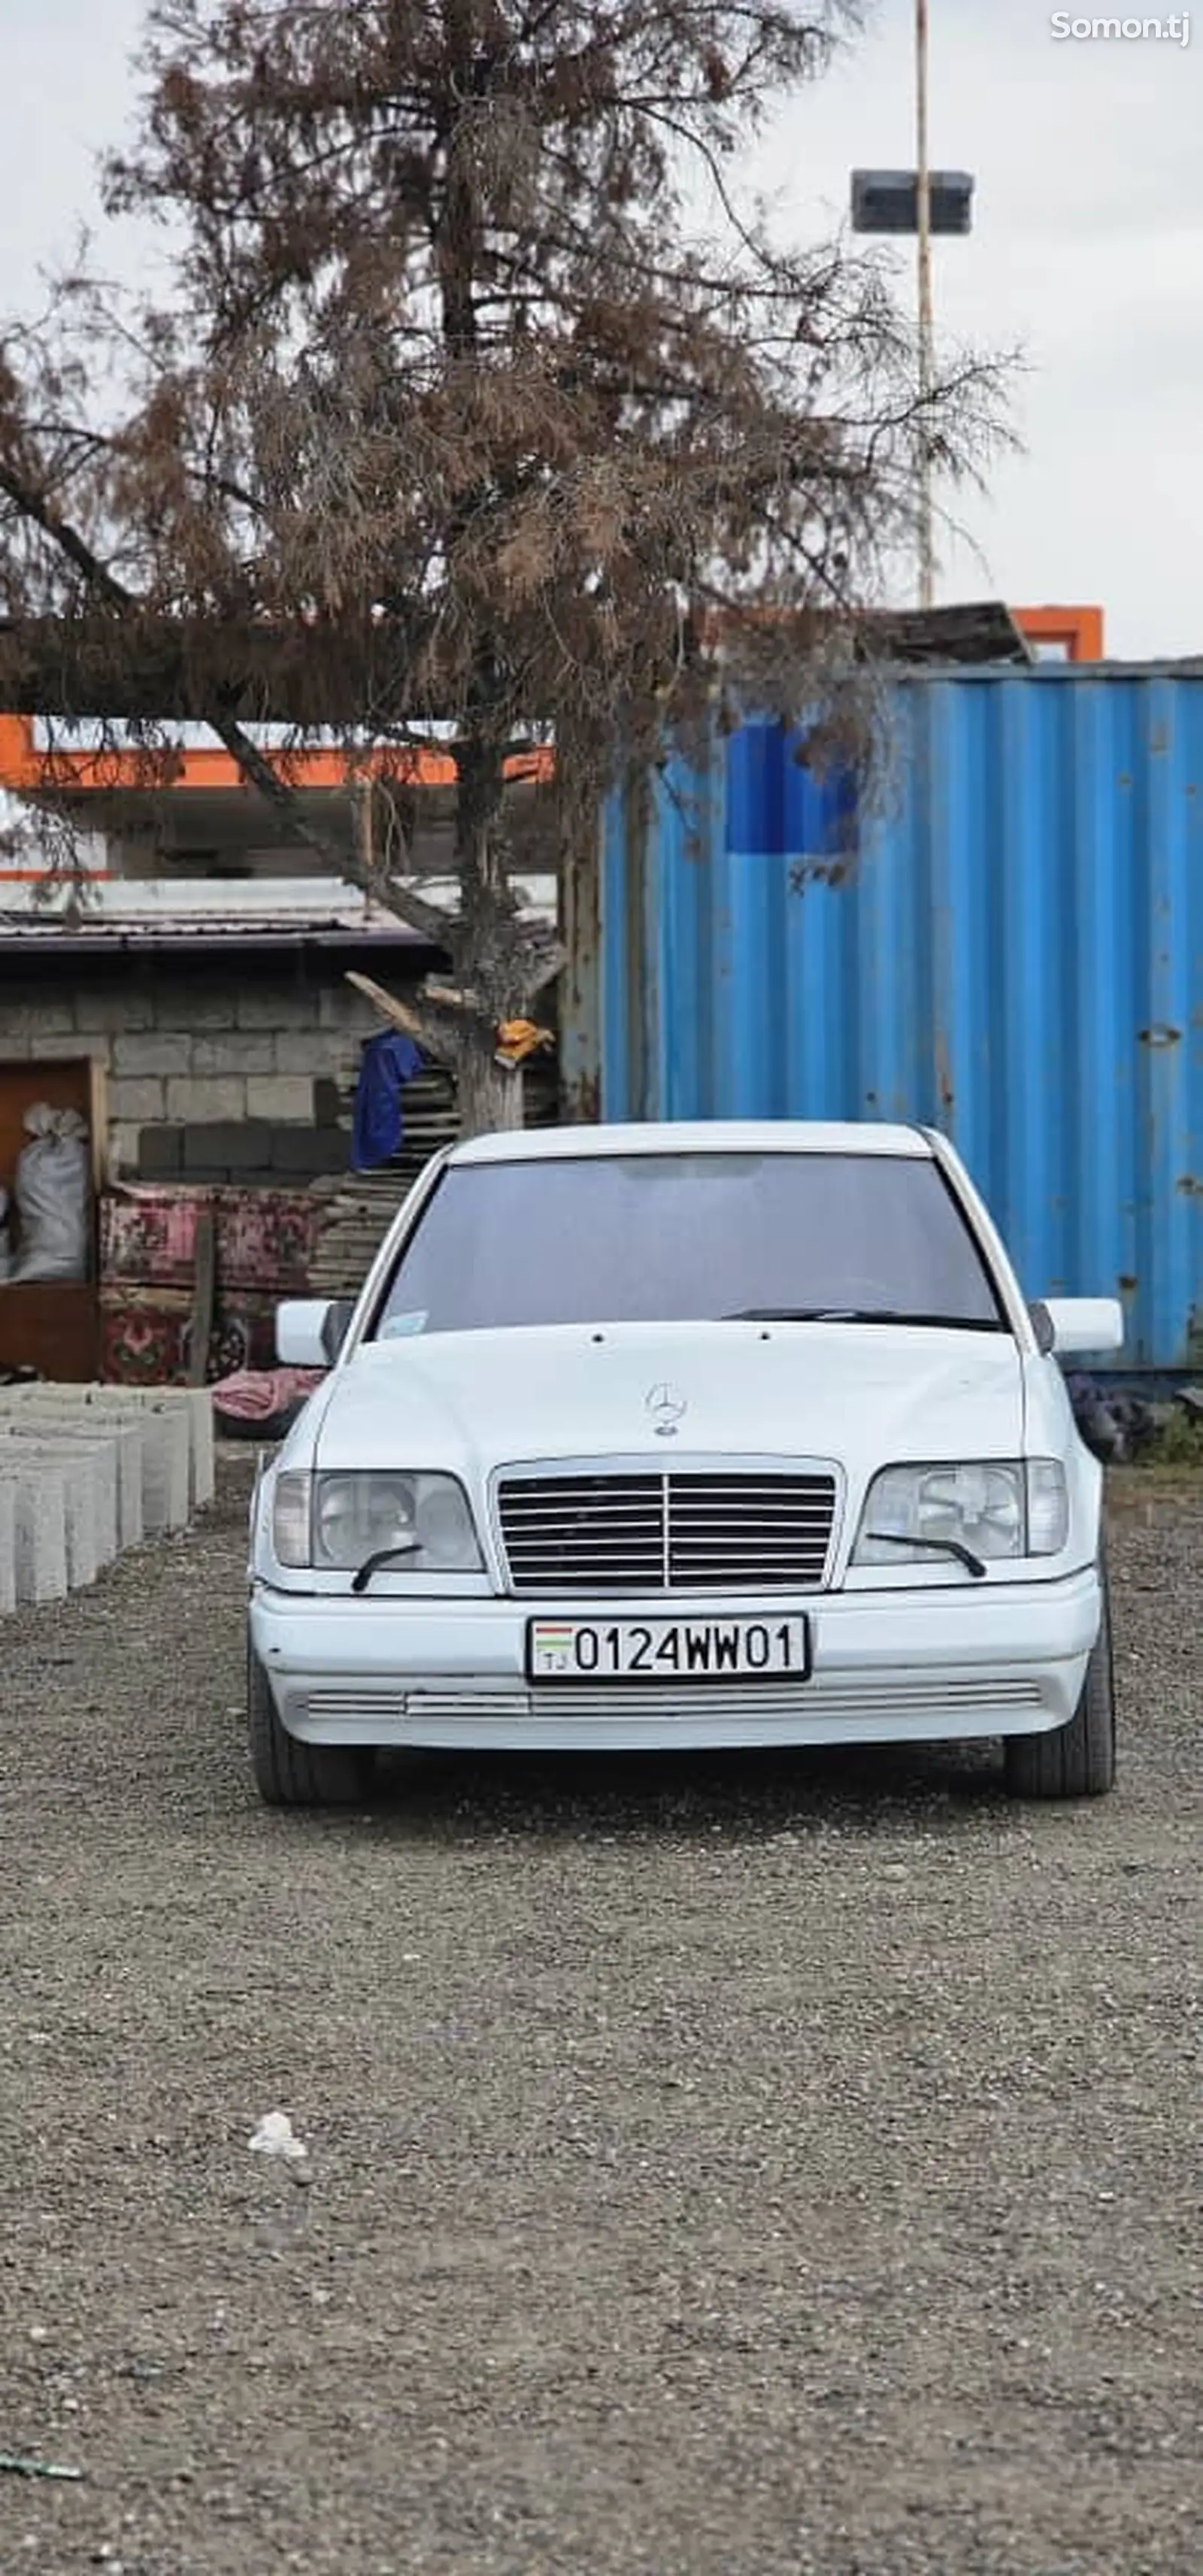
point(1011, 950)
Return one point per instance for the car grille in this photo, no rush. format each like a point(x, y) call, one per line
point(636, 1533)
point(905, 1703)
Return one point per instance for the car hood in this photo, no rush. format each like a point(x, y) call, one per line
point(861, 1395)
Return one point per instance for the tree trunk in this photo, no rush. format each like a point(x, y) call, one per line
point(489, 1094)
point(489, 942)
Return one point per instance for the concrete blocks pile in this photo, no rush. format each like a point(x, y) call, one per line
point(88, 1471)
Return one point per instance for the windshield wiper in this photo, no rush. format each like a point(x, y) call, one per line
point(383, 1556)
point(860, 1315)
point(791, 1315)
point(934, 1546)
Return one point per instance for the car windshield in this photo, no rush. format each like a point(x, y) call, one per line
point(663, 1238)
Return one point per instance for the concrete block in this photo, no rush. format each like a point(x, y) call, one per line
point(122, 1438)
point(193, 1407)
point(239, 1052)
point(308, 1153)
point(48, 1463)
point(127, 1006)
point(203, 1463)
point(341, 1007)
point(156, 1051)
point(182, 1005)
point(186, 1408)
point(137, 1104)
point(38, 1019)
point(128, 1442)
point(64, 1048)
point(237, 1145)
point(125, 1151)
point(189, 1409)
point(159, 1153)
point(166, 1456)
point(201, 1149)
point(203, 1101)
point(142, 1479)
point(97, 1452)
point(8, 1548)
point(310, 1051)
point(281, 1096)
point(275, 1006)
point(38, 1495)
point(244, 1146)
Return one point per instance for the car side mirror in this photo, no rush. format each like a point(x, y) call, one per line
point(303, 1325)
point(1081, 1327)
point(1043, 1327)
point(337, 1326)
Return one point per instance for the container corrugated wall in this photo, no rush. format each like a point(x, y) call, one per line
point(1014, 954)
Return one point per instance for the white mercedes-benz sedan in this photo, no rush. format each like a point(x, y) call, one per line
point(682, 1436)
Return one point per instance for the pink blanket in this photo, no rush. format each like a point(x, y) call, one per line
point(258, 1395)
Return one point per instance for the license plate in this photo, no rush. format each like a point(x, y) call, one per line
point(658, 1650)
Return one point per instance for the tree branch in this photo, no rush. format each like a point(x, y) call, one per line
point(441, 928)
point(430, 920)
point(400, 1015)
point(545, 968)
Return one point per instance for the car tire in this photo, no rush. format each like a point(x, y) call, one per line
point(1078, 1760)
point(291, 1774)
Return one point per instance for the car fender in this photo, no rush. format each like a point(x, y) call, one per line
point(1050, 1431)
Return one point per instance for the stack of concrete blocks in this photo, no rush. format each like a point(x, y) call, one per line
point(89, 1471)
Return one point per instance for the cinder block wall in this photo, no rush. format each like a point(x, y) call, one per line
point(217, 1073)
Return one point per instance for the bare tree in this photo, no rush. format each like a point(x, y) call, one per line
point(455, 385)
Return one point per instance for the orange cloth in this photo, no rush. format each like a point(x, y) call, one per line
point(520, 1038)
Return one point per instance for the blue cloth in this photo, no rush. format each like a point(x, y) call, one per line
point(386, 1063)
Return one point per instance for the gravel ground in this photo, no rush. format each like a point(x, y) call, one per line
point(760, 2168)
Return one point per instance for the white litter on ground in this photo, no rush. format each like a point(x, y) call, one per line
point(275, 2136)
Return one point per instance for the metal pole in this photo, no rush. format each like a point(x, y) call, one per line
point(926, 544)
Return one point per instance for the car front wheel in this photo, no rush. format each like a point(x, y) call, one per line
point(291, 1774)
point(1078, 1760)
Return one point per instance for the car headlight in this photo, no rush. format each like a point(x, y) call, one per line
point(1017, 1510)
point(336, 1522)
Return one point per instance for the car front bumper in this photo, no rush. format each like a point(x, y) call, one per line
point(888, 1667)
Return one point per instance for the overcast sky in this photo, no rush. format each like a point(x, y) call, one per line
point(1088, 248)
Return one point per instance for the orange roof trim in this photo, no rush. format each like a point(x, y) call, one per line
point(24, 769)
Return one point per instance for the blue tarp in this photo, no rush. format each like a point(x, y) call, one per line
point(388, 1062)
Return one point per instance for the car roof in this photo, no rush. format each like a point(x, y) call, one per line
point(694, 1136)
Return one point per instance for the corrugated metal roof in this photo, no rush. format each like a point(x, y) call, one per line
point(980, 631)
point(77, 936)
point(206, 915)
point(190, 940)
